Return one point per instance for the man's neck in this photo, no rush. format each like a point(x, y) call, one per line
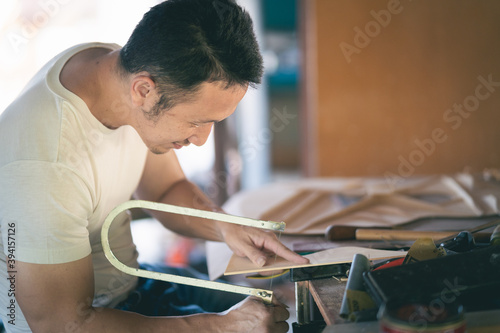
point(93, 76)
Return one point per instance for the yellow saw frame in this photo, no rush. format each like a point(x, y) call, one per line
point(265, 295)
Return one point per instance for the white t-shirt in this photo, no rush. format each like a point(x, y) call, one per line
point(61, 173)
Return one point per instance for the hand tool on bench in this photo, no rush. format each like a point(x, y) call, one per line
point(265, 295)
point(345, 232)
point(454, 242)
point(339, 232)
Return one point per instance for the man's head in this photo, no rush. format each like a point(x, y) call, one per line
point(182, 43)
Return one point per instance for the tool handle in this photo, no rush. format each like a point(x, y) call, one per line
point(340, 232)
point(391, 234)
point(345, 232)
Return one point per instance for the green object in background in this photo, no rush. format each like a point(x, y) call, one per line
point(495, 236)
point(279, 14)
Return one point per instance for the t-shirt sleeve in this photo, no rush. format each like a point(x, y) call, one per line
point(49, 207)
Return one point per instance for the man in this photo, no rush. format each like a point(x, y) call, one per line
point(97, 125)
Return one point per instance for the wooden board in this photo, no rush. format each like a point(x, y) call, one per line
point(239, 265)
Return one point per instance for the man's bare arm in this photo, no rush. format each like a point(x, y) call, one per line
point(164, 181)
point(58, 298)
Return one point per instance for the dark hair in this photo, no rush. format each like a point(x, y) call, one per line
point(183, 43)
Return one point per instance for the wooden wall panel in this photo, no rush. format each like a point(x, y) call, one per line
point(400, 88)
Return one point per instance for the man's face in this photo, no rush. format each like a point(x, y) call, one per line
point(189, 122)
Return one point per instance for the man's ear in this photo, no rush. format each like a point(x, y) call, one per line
point(142, 88)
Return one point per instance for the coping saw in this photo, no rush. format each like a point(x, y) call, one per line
point(265, 295)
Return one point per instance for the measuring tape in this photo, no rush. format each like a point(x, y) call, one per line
point(265, 295)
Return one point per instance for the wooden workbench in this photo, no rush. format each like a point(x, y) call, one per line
point(328, 294)
point(477, 322)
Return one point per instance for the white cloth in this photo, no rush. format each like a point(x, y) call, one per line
point(310, 206)
point(61, 173)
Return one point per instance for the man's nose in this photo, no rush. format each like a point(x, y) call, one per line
point(201, 135)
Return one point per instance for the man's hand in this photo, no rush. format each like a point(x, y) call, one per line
point(256, 244)
point(58, 298)
point(252, 315)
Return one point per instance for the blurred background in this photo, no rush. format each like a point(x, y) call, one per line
point(352, 88)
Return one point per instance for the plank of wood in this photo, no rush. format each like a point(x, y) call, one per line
point(240, 265)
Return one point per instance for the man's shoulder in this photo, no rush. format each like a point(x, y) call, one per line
point(32, 125)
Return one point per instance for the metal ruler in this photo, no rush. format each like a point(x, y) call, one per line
point(265, 295)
